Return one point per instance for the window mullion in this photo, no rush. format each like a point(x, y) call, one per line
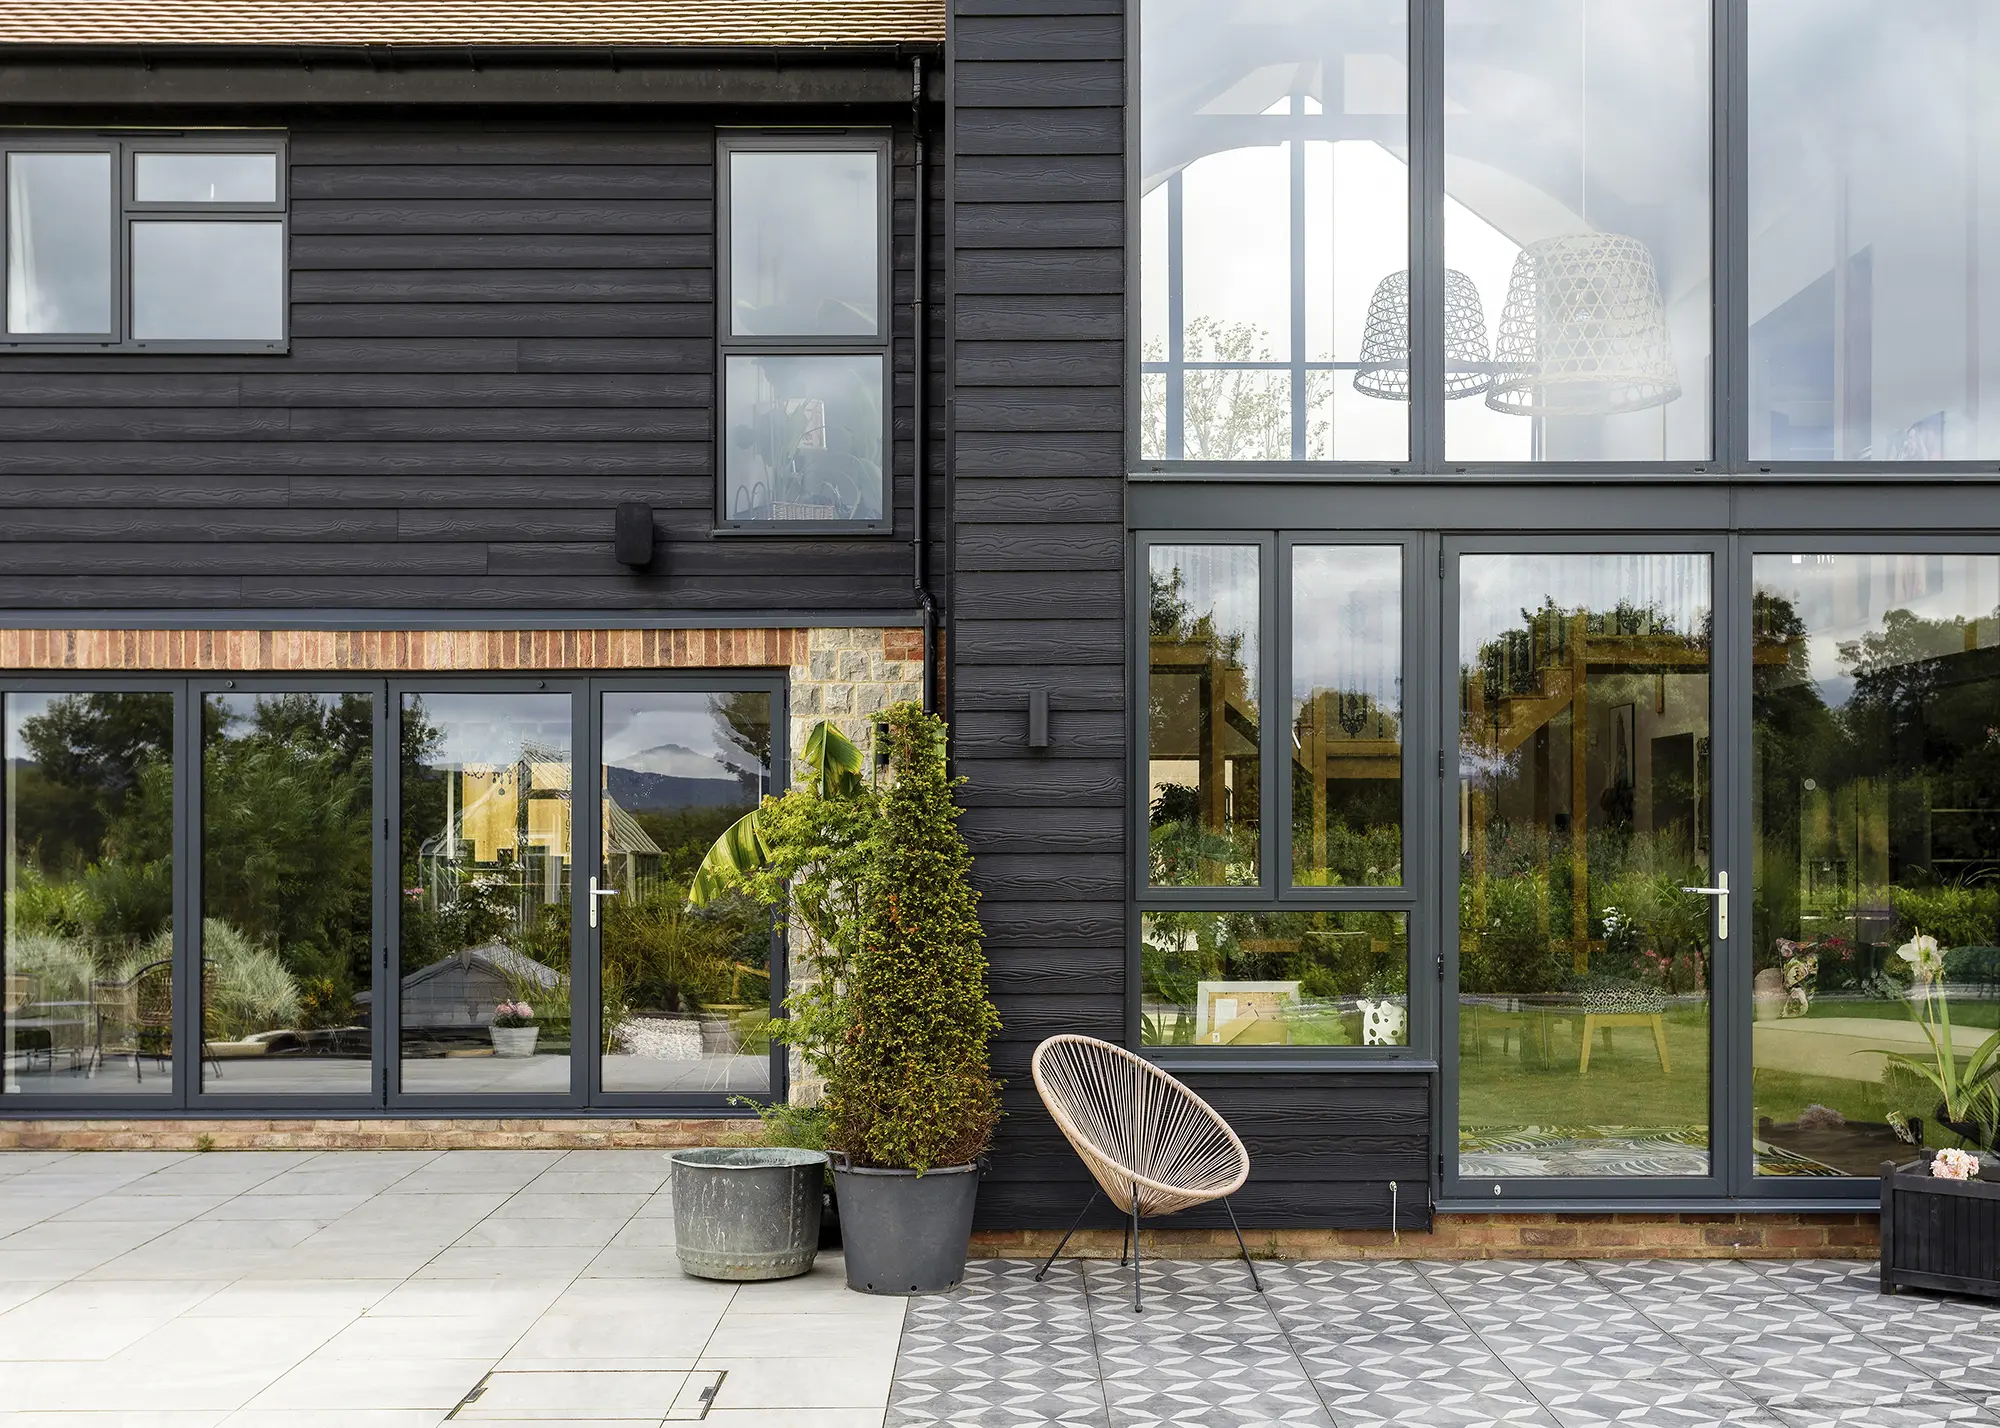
point(1427, 234)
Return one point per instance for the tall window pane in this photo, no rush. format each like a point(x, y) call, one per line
point(1240, 979)
point(287, 892)
point(687, 991)
point(485, 893)
point(1203, 769)
point(1275, 215)
point(1584, 819)
point(804, 246)
point(1577, 230)
point(1873, 161)
point(1875, 805)
point(87, 962)
point(1347, 716)
point(59, 243)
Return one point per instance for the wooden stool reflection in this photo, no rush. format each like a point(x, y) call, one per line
point(1604, 1021)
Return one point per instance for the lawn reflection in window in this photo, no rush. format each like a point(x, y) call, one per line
point(804, 438)
point(1253, 979)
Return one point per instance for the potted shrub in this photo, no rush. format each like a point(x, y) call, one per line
point(910, 1101)
point(514, 1029)
point(891, 1015)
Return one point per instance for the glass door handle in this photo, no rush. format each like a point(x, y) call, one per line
point(597, 892)
point(1720, 892)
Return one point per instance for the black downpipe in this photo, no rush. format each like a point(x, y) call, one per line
point(919, 542)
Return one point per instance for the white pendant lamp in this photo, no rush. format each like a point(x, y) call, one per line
point(1385, 340)
point(1584, 332)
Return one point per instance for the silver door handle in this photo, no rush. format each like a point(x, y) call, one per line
point(597, 892)
point(1720, 892)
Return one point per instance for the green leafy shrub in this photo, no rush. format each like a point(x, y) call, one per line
point(911, 1089)
point(248, 989)
point(61, 968)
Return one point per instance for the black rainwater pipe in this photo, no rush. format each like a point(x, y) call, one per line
point(919, 542)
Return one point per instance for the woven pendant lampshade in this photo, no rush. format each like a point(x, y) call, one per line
point(1584, 332)
point(1385, 340)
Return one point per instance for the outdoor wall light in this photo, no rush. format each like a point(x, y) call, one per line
point(632, 534)
point(1038, 718)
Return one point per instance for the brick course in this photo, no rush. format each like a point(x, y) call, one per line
point(1844, 1235)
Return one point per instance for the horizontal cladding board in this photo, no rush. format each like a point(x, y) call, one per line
point(1273, 1159)
point(139, 387)
point(1042, 226)
point(1019, 178)
point(1273, 1205)
point(311, 423)
point(501, 285)
point(501, 216)
point(1003, 317)
point(133, 522)
point(466, 458)
point(392, 354)
point(1019, 363)
point(1056, 644)
point(447, 144)
point(583, 176)
point(1069, 875)
point(1073, 734)
point(1026, 38)
point(316, 252)
point(1053, 595)
point(1038, 270)
point(999, 687)
point(504, 319)
point(1032, 547)
point(1040, 84)
point(627, 591)
point(984, 499)
point(1039, 131)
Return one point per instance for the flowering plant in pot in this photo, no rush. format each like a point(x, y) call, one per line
point(514, 1029)
point(1968, 1097)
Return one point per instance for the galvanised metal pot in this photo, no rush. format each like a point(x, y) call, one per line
point(743, 1214)
point(905, 1233)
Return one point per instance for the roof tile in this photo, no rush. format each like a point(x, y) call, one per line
point(471, 22)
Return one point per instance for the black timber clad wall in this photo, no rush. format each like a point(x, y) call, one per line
point(1040, 267)
point(500, 330)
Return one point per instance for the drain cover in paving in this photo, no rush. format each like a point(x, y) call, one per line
point(581, 1395)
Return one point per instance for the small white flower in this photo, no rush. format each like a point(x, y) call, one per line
point(1953, 1164)
point(1926, 961)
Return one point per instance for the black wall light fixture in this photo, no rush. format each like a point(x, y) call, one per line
point(632, 534)
point(1038, 718)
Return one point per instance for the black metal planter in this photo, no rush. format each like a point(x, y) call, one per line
point(1939, 1234)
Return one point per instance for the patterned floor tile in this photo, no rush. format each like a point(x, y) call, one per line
point(1532, 1344)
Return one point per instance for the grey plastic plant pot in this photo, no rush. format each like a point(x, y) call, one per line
point(905, 1233)
point(747, 1214)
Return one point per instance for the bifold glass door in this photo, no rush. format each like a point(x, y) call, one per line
point(1590, 892)
point(329, 894)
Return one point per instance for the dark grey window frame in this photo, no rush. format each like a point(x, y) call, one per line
point(1729, 98)
point(841, 140)
point(123, 149)
point(1274, 892)
point(585, 1095)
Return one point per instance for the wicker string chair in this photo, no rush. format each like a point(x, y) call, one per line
point(1153, 1146)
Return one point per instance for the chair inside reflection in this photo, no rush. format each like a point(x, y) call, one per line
point(135, 1017)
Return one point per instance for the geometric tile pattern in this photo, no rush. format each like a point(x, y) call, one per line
point(1539, 1344)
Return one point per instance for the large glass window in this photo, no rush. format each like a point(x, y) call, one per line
point(686, 990)
point(1584, 833)
point(1873, 161)
point(123, 242)
point(804, 432)
point(88, 957)
point(287, 893)
point(1204, 758)
point(1577, 230)
point(1875, 804)
point(1274, 146)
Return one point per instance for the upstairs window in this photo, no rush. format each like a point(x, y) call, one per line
point(804, 332)
point(144, 243)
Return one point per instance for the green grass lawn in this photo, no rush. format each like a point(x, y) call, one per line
point(1624, 1087)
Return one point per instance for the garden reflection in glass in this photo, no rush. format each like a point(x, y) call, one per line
point(287, 893)
point(1874, 152)
point(87, 961)
point(1204, 778)
point(1875, 805)
point(485, 892)
point(1584, 813)
point(1576, 170)
point(1347, 715)
point(1274, 200)
point(686, 991)
point(1242, 979)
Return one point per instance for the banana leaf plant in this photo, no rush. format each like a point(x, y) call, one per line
point(805, 855)
point(744, 848)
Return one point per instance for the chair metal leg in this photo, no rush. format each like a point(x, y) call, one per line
point(1124, 1244)
point(1066, 1234)
point(1137, 1307)
point(1243, 1249)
